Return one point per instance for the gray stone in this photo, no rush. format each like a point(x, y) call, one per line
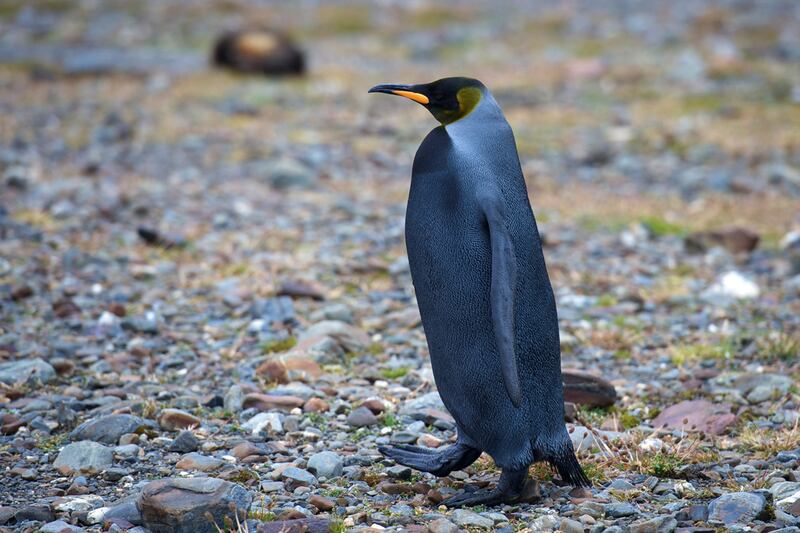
point(544, 524)
point(620, 510)
point(571, 526)
point(467, 518)
point(326, 464)
point(659, 524)
point(442, 525)
point(185, 442)
point(737, 508)
point(361, 417)
point(759, 388)
point(59, 526)
point(20, 371)
point(234, 399)
point(288, 174)
point(399, 472)
point(297, 477)
point(180, 505)
point(85, 456)
point(107, 429)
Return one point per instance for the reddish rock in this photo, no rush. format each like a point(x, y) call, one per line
point(65, 307)
point(274, 370)
point(588, 390)
point(321, 502)
point(246, 449)
point(301, 289)
point(316, 405)
point(302, 368)
point(375, 405)
point(696, 415)
point(396, 488)
point(21, 292)
point(267, 402)
point(735, 240)
point(117, 309)
point(176, 419)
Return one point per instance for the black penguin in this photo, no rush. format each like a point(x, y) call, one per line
point(487, 306)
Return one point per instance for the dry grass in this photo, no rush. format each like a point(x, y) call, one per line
point(766, 443)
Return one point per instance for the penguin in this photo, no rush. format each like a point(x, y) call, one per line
point(487, 306)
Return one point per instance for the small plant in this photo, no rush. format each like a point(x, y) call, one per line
point(661, 464)
point(389, 420)
point(781, 346)
point(394, 373)
point(52, 443)
point(766, 443)
point(629, 420)
point(337, 526)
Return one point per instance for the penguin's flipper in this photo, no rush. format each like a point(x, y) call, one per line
point(504, 281)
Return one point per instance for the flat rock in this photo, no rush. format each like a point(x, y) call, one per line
point(180, 505)
point(737, 508)
point(295, 477)
point(467, 518)
point(736, 240)
point(185, 442)
point(759, 388)
point(348, 337)
point(442, 525)
point(659, 524)
point(59, 526)
point(586, 389)
point(696, 415)
point(20, 371)
point(107, 429)
point(202, 463)
point(269, 402)
point(300, 525)
point(84, 456)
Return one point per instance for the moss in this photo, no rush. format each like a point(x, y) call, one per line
point(629, 420)
point(394, 373)
point(662, 465)
point(278, 345)
point(390, 420)
point(660, 227)
point(607, 300)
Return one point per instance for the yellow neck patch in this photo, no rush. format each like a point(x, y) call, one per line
point(468, 98)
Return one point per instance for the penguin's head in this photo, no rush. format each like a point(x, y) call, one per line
point(448, 99)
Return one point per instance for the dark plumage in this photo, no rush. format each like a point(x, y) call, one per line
point(484, 295)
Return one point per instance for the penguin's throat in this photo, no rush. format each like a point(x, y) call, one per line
point(468, 99)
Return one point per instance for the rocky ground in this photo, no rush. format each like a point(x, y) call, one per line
point(205, 306)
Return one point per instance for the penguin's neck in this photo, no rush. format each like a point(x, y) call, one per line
point(483, 118)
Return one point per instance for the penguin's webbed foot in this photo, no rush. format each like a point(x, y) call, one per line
point(438, 463)
point(509, 490)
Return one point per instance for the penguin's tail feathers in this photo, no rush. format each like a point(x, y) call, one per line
point(570, 469)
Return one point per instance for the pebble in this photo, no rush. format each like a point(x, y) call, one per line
point(84, 456)
point(736, 508)
point(107, 429)
point(467, 518)
point(177, 419)
point(361, 417)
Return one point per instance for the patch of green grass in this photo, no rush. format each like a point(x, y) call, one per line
point(660, 227)
point(781, 346)
point(662, 464)
point(607, 300)
point(337, 526)
point(622, 355)
point(262, 515)
point(278, 345)
point(390, 420)
point(375, 348)
point(594, 472)
point(394, 373)
point(52, 443)
point(688, 353)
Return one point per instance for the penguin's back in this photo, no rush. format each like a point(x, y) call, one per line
point(449, 252)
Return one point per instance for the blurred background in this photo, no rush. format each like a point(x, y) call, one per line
point(170, 223)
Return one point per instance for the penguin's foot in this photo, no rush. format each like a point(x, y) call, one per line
point(438, 463)
point(509, 489)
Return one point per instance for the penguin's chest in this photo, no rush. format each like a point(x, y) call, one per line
point(448, 251)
